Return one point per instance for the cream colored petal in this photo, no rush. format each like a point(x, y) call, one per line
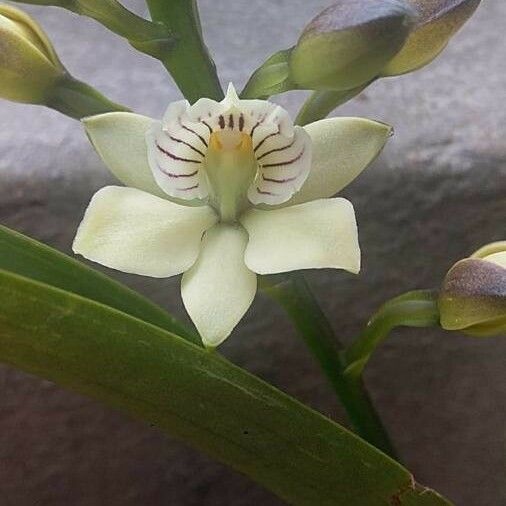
point(317, 234)
point(218, 290)
point(120, 140)
point(342, 149)
point(132, 231)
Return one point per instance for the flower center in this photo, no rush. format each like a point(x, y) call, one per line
point(232, 154)
point(230, 167)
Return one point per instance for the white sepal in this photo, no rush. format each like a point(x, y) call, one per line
point(342, 149)
point(120, 140)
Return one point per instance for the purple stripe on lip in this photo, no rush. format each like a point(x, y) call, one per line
point(187, 189)
point(188, 129)
point(289, 162)
point(265, 192)
point(207, 125)
point(175, 139)
point(277, 149)
point(174, 157)
point(257, 124)
point(287, 180)
point(265, 138)
point(176, 176)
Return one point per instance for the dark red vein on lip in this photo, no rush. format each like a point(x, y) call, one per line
point(188, 189)
point(257, 124)
point(175, 139)
point(289, 162)
point(207, 125)
point(286, 180)
point(188, 129)
point(176, 176)
point(264, 139)
point(276, 150)
point(265, 192)
point(174, 157)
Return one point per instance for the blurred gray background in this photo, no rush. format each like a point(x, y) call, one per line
point(437, 192)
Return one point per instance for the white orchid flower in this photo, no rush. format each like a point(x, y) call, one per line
point(223, 191)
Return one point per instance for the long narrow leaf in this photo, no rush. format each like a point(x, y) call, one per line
point(300, 455)
point(32, 259)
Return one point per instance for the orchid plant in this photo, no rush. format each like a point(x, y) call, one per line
point(230, 192)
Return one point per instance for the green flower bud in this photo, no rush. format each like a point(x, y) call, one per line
point(29, 66)
point(349, 43)
point(438, 21)
point(473, 296)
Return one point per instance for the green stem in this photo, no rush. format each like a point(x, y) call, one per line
point(120, 20)
point(321, 103)
point(413, 309)
point(188, 61)
point(78, 100)
point(296, 298)
point(114, 16)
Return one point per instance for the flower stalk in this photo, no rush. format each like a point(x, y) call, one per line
point(188, 61)
point(321, 103)
point(413, 309)
point(146, 36)
point(78, 100)
point(294, 295)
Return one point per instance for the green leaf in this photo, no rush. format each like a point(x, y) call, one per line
point(32, 259)
point(226, 412)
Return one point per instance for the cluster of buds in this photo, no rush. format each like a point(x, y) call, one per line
point(345, 47)
point(350, 44)
point(473, 295)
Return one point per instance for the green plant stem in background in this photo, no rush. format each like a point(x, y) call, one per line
point(188, 60)
point(78, 100)
point(321, 103)
point(121, 21)
point(413, 309)
point(294, 295)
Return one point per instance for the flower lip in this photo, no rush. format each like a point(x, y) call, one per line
point(178, 147)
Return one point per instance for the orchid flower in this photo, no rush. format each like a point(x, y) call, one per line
point(221, 192)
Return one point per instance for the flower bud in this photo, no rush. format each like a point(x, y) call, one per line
point(29, 66)
point(349, 43)
point(473, 296)
point(437, 22)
